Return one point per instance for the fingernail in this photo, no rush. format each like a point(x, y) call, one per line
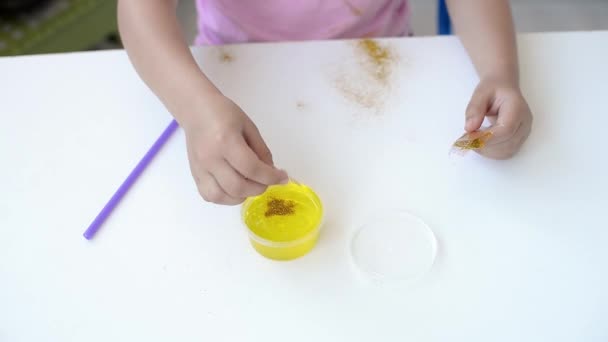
point(285, 180)
point(467, 124)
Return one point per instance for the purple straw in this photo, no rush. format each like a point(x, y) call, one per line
point(126, 185)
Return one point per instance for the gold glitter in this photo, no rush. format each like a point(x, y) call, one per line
point(379, 60)
point(280, 207)
point(369, 86)
point(362, 95)
point(225, 56)
point(473, 141)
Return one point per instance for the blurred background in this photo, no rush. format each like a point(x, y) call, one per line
point(47, 26)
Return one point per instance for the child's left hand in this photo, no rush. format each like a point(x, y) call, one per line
point(508, 112)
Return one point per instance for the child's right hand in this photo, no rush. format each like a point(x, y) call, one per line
point(229, 160)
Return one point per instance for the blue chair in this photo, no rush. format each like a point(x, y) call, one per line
point(444, 26)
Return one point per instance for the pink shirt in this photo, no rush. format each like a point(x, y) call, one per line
point(238, 21)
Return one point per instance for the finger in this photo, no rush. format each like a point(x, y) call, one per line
point(508, 122)
point(211, 191)
point(233, 183)
point(477, 109)
point(507, 148)
point(242, 158)
point(256, 142)
point(501, 151)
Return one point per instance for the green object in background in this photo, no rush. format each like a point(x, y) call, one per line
point(58, 26)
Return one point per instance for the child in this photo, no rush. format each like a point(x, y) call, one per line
point(228, 158)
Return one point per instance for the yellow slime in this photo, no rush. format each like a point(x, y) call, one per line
point(284, 221)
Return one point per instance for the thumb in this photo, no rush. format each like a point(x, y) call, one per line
point(477, 109)
point(256, 142)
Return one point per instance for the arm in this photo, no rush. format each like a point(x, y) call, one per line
point(228, 158)
point(486, 31)
point(148, 26)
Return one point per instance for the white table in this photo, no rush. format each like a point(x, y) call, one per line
point(523, 244)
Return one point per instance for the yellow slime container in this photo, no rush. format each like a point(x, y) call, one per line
point(284, 221)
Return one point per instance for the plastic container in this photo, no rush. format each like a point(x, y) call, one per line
point(284, 222)
point(394, 246)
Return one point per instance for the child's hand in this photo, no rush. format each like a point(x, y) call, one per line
point(228, 157)
point(508, 112)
